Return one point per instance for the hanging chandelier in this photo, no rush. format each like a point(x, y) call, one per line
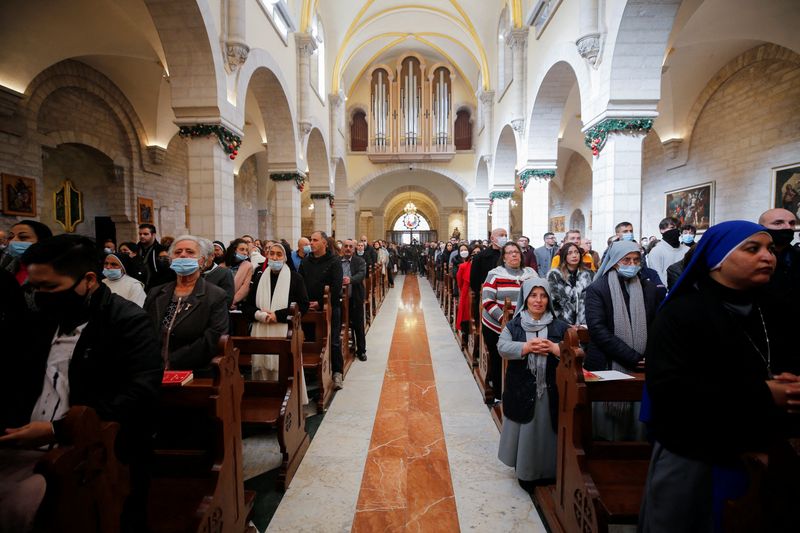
point(411, 218)
point(410, 209)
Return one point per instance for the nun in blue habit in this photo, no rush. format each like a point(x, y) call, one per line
point(530, 398)
point(719, 364)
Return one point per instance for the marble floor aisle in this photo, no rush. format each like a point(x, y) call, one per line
point(407, 445)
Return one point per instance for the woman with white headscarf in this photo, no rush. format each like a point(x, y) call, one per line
point(115, 272)
point(620, 306)
point(530, 400)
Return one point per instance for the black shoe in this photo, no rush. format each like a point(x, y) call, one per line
point(362, 357)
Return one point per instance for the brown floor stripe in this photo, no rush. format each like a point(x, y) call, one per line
point(406, 484)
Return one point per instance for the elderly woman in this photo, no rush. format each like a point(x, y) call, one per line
point(115, 271)
point(238, 261)
point(189, 313)
point(569, 282)
point(728, 394)
point(620, 306)
point(501, 282)
point(530, 401)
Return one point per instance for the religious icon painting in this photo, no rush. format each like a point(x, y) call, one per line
point(145, 209)
point(19, 195)
point(558, 224)
point(786, 188)
point(692, 205)
point(68, 206)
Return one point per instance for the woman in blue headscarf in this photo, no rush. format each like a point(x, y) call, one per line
point(530, 398)
point(720, 368)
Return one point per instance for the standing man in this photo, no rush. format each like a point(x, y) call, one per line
point(354, 269)
point(781, 225)
point(303, 249)
point(669, 249)
point(320, 268)
point(544, 254)
point(148, 249)
point(370, 255)
point(483, 263)
point(574, 236)
point(528, 253)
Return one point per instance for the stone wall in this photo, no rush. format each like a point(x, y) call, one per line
point(245, 186)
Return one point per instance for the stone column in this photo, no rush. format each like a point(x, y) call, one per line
point(236, 45)
point(211, 202)
point(517, 39)
point(266, 228)
point(444, 224)
point(501, 208)
point(337, 121)
point(287, 218)
point(345, 218)
point(306, 45)
point(616, 173)
point(378, 231)
point(322, 211)
point(477, 213)
point(487, 116)
point(589, 43)
point(535, 184)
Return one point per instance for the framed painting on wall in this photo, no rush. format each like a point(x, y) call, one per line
point(557, 224)
point(692, 205)
point(19, 195)
point(786, 188)
point(145, 209)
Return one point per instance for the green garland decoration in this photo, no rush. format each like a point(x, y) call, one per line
point(229, 141)
point(596, 136)
point(534, 173)
point(298, 177)
point(321, 195)
point(500, 195)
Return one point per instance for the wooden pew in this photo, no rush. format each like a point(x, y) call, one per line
point(348, 354)
point(368, 299)
point(276, 404)
point(197, 483)
point(597, 483)
point(471, 347)
point(482, 371)
point(86, 484)
point(317, 352)
point(375, 290)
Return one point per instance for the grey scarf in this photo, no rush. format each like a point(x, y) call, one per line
point(537, 363)
point(631, 327)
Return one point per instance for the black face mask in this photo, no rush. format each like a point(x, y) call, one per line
point(781, 237)
point(64, 306)
point(672, 237)
point(163, 262)
point(218, 260)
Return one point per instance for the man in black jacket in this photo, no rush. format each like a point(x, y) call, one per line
point(321, 268)
point(95, 349)
point(354, 270)
point(148, 249)
point(370, 255)
point(486, 261)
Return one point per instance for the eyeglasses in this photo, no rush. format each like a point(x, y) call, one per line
point(512, 252)
point(630, 261)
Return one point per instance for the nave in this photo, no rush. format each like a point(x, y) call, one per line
point(394, 454)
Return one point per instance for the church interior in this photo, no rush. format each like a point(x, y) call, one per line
point(408, 123)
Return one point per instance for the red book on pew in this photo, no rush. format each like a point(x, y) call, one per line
point(176, 378)
point(587, 376)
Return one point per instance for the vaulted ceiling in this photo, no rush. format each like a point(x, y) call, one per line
point(363, 32)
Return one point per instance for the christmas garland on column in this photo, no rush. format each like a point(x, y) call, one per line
point(500, 195)
point(534, 173)
point(299, 179)
point(229, 141)
point(596, 136)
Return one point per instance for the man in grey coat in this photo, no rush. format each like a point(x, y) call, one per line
point(544, 254)
point(354, 270)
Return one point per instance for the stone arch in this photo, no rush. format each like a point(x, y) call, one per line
point(766, 52)
point(548, 112)
point(505, 160)
point(340, 189)
point(389, 169)
point(318, 167)
point(75, 74)
point(643, 33)
point(428, 206)
point(194, 58)
point(392, 196)
point(481, 189)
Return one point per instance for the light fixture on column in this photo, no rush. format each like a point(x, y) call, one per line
point(311, 206)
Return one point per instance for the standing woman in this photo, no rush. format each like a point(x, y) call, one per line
point(530, 401)
point(620, 306)
point(238, 261)
point(461, 257)
point(501, 282)
point(726, 396)
point(568, 284)
point(464, 314)
point(115, 271)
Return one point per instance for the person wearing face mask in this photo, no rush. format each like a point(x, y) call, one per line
point(239, 266)
point(22, 235)
point(370, 255)
point(189, 314)
point(303, 249)
point(781, 224)
point(88, 347)
point(354, 270)
point(119, 282)
point(488, 259)
point(464, 314)
point(669, 249)
point(620, 306)
point(109, 247)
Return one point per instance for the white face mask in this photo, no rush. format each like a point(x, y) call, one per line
point(464, 253)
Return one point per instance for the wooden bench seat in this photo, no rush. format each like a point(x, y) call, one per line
point(317, 349)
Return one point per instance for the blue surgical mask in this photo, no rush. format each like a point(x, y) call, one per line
point(108, 250)
point(687, 238)
point(628, 271)
point(501, 241)
point(275, 265)
point(307, 249)
point(240, 257)
point(17, 248)
point(112, 273)
point(627, 236)
point(360, 252)
point(184, 266)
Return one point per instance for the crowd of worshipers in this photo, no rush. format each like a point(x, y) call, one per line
point(709, 315)
point(96, 324)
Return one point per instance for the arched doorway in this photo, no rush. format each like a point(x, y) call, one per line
point(412, 227)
